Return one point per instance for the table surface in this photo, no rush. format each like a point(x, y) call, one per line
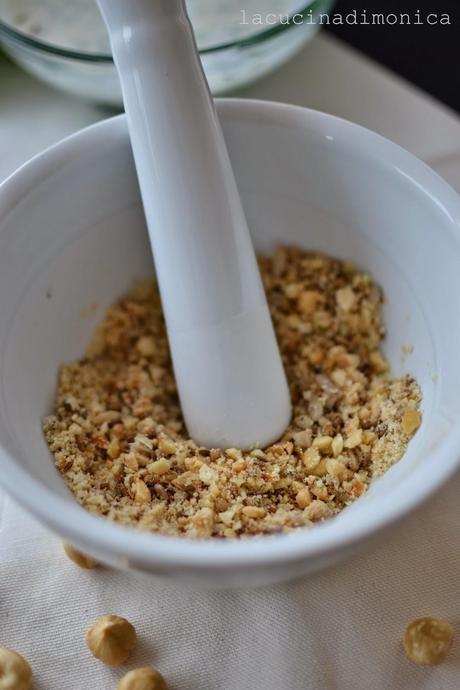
point(364, 605)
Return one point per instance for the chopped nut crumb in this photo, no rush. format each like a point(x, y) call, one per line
point(119, 439)
point(207, 475)
point(253, 512)
point(411, 420)
point(346, 298)
point(113, 449)
point(303, 498)
point(317, 510)
point(167, 446)
point(311, 459)
point(354, 439)
point(146, 346)
point(337, 445)
point(302, 438)
point(142, 492)
point(337, 469)
point(159, 467)
point(322, 443)
point(308, 301)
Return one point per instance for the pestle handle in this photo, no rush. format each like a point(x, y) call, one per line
point(228, 369)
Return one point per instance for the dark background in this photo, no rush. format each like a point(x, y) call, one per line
point(429, 56)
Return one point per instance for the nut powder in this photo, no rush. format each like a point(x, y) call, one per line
point(119, 440)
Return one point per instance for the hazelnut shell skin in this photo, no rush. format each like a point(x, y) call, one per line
point(111, 639)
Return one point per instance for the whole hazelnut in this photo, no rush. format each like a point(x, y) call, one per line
point(143, 679)
point(15, 672)
point(80, 559)
point(427, 641)
point(111, 640)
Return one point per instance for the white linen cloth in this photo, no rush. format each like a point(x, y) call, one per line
point(338, 630)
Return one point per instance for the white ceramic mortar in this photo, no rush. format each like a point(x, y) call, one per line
point(72, 234)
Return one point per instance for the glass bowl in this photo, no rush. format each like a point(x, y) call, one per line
point(229, 64)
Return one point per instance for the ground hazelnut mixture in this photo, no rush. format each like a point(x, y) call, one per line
point(119, 439)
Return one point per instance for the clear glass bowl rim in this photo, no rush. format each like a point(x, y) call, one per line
point(306, 8)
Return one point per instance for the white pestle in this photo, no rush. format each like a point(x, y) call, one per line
point(228, 368)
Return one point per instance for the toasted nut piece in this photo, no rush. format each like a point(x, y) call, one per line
point(208, 475)
point(302, 438)
point(378, 361)
point(142, 492)
point(354, 439)
point(159, 467)
point(322, 319)
point(204, 519)
point(113, 450)
point(146, 346)
point(323, 443)
point(142, 679)
point(339, 377)
point(130, 460)
point(234, 453)
point(166, 446)
point(346, 298)
point(337, 469)
point(254, 512)
point(111, 640)
point(321, 468)
point(316, 355)
point(80, 559)
point(337, 445)
point(308, 300)
point(427, 641)
point(297, 486)
point(117, 469)
point(303, 498)
point(292, 290)
point(317, 510)
point(319, 490)
point(220, 505)
point(411, 420)
point(15, 672)
point(311, 459)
